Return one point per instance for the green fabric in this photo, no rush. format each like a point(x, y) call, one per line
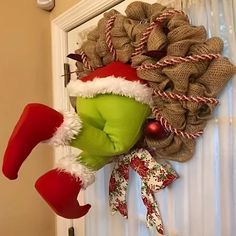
point(111, 125)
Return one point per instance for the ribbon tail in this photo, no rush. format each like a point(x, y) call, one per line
point(153, 215)
point(118, 187)
point(170, 174)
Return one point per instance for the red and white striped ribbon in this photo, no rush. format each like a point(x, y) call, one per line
point(164, 122)
point(85, 60)
point(109, 26)
point(149, 29)
point(184, 98)
point(178, 60)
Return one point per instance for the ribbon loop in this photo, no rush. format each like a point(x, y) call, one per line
point(152, 173)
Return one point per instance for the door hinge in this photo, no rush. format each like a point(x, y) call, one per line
point(67, 74)
point(71, 231)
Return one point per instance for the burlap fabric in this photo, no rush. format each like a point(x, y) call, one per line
point(174, 37)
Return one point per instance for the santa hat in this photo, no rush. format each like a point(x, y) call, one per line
point(115, 78)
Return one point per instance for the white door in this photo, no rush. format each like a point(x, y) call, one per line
point(200, 202)
point(99, 210)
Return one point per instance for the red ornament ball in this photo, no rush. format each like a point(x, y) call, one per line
point(154, 130)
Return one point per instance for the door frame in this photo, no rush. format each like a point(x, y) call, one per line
point(83, 11)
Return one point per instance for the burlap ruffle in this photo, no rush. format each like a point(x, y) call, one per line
point(175, 37)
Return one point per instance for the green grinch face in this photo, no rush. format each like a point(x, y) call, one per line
point(112, 124)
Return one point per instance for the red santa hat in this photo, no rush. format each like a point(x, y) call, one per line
point(115, 78)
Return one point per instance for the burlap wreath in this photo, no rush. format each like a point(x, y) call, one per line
point(119, 37)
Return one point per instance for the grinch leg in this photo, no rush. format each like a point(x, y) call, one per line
point(60, 190)
point(119, 124)
point(37, 123)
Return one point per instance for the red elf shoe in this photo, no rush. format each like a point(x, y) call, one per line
point(60, 190)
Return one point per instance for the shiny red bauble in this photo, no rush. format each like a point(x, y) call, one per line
point(154, 130)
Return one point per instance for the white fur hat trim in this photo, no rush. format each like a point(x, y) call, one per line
point(111, 85)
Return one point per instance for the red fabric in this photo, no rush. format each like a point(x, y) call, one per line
point(37, 123)
point(60, 190)
point(116, 69)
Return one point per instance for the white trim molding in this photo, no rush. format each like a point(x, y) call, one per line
point(82, 12)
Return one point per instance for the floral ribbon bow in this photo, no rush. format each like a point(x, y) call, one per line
point(154, 176)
